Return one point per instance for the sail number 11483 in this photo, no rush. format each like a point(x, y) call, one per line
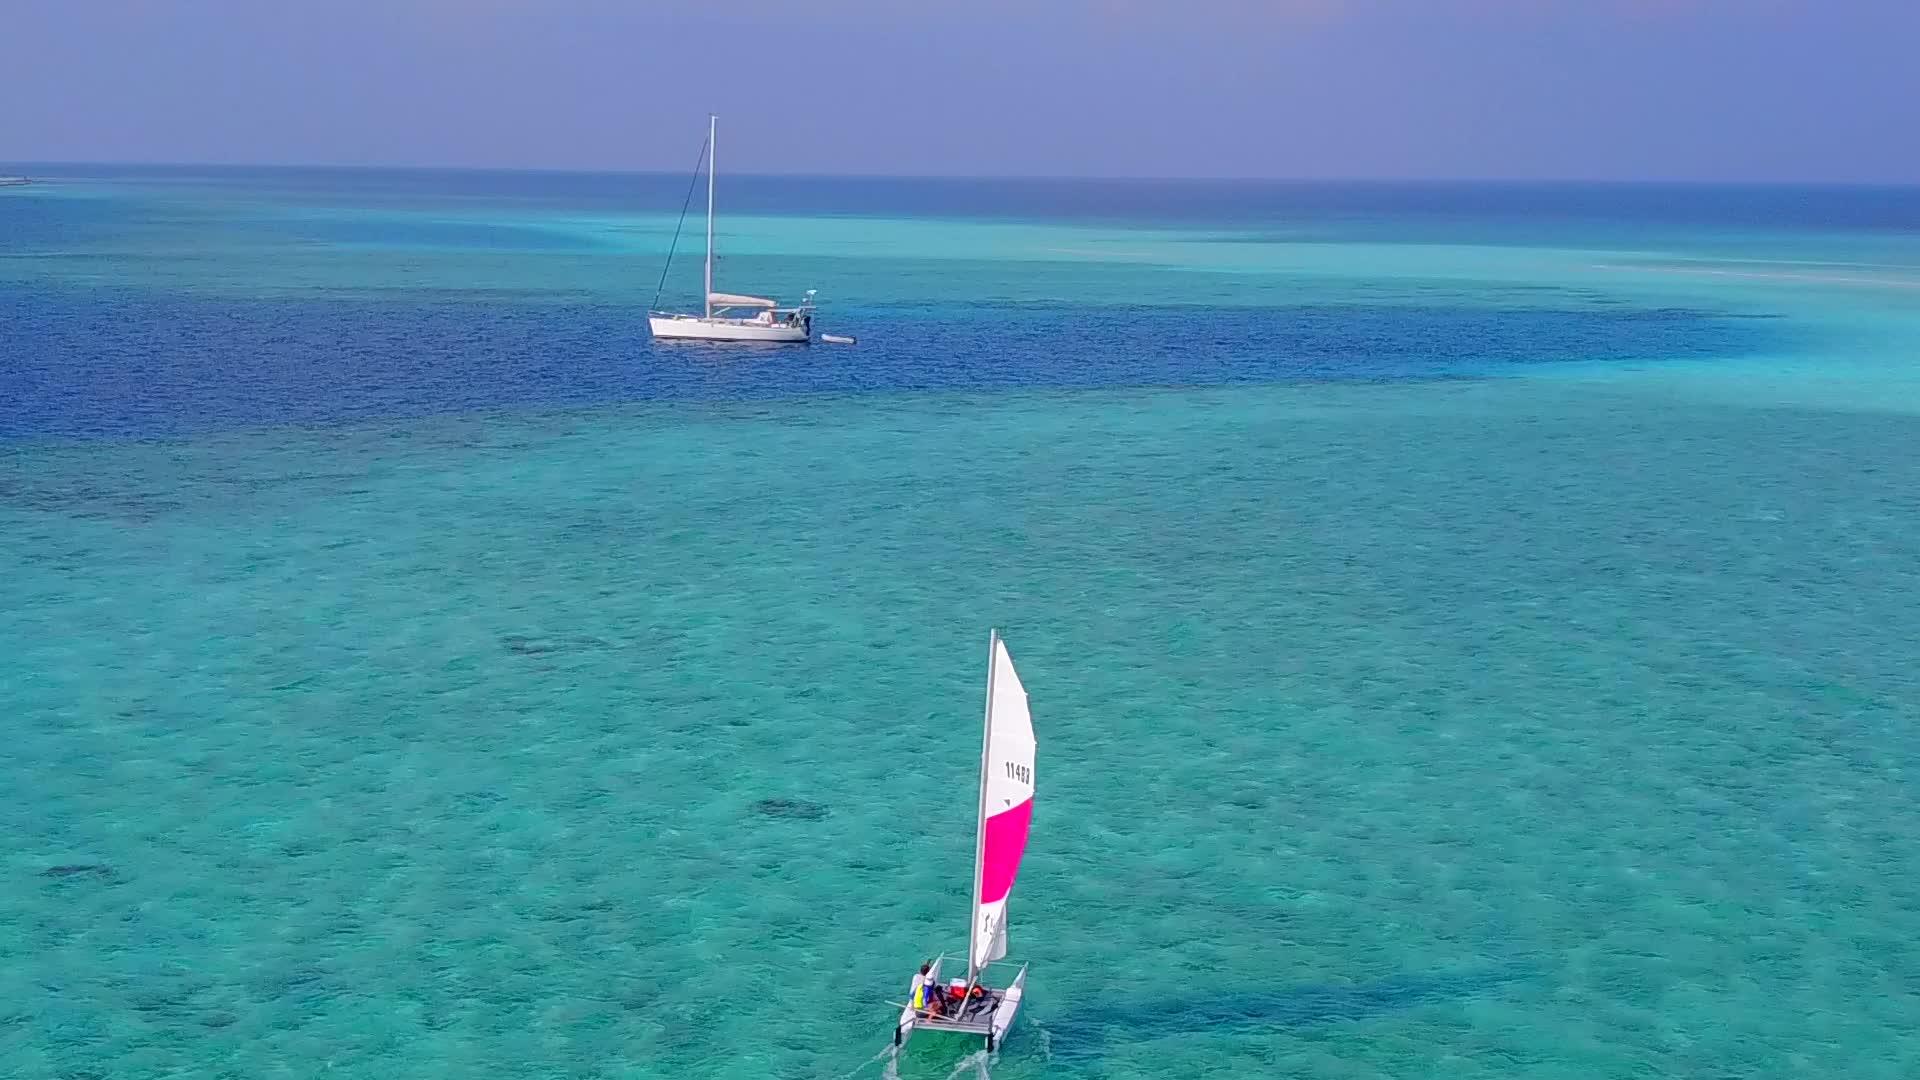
point(1022, 773)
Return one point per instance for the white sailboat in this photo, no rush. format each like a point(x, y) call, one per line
point(969, 1005)
point(718, 320)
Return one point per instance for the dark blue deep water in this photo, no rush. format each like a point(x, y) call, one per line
point(117, 363)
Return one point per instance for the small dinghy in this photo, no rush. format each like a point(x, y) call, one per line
point(971, 1006)
point(837, 339)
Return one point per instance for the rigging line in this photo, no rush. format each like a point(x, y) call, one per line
point(691, 184)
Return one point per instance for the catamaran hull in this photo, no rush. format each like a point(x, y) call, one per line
point(689, 328)
point(993, 1025)
point(1008, 1008)
point(908, 1017)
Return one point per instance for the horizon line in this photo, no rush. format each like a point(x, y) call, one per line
point(1141, 178)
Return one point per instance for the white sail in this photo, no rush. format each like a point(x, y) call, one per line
point(1006, 806)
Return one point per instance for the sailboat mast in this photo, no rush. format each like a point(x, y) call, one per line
point(980, 823)
point(713, 126)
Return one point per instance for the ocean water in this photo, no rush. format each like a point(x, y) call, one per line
point(1470, 629)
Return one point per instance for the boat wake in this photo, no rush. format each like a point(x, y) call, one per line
point(974, 1065)
point(889, 1071)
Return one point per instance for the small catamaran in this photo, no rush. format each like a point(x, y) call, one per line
point(969, 1005)
point(773, 323)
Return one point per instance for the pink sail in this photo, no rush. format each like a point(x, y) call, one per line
point(1006, 805)
point(1006, 842)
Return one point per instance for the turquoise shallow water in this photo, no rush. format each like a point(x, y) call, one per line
point(1555, 724)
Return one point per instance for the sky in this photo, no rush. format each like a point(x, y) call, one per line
point(1397, 89)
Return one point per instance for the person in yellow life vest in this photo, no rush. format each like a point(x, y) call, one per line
point(923, 989)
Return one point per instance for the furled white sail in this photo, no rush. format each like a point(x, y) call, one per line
point(723, 299)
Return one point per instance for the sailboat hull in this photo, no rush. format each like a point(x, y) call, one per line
point(696, 328)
